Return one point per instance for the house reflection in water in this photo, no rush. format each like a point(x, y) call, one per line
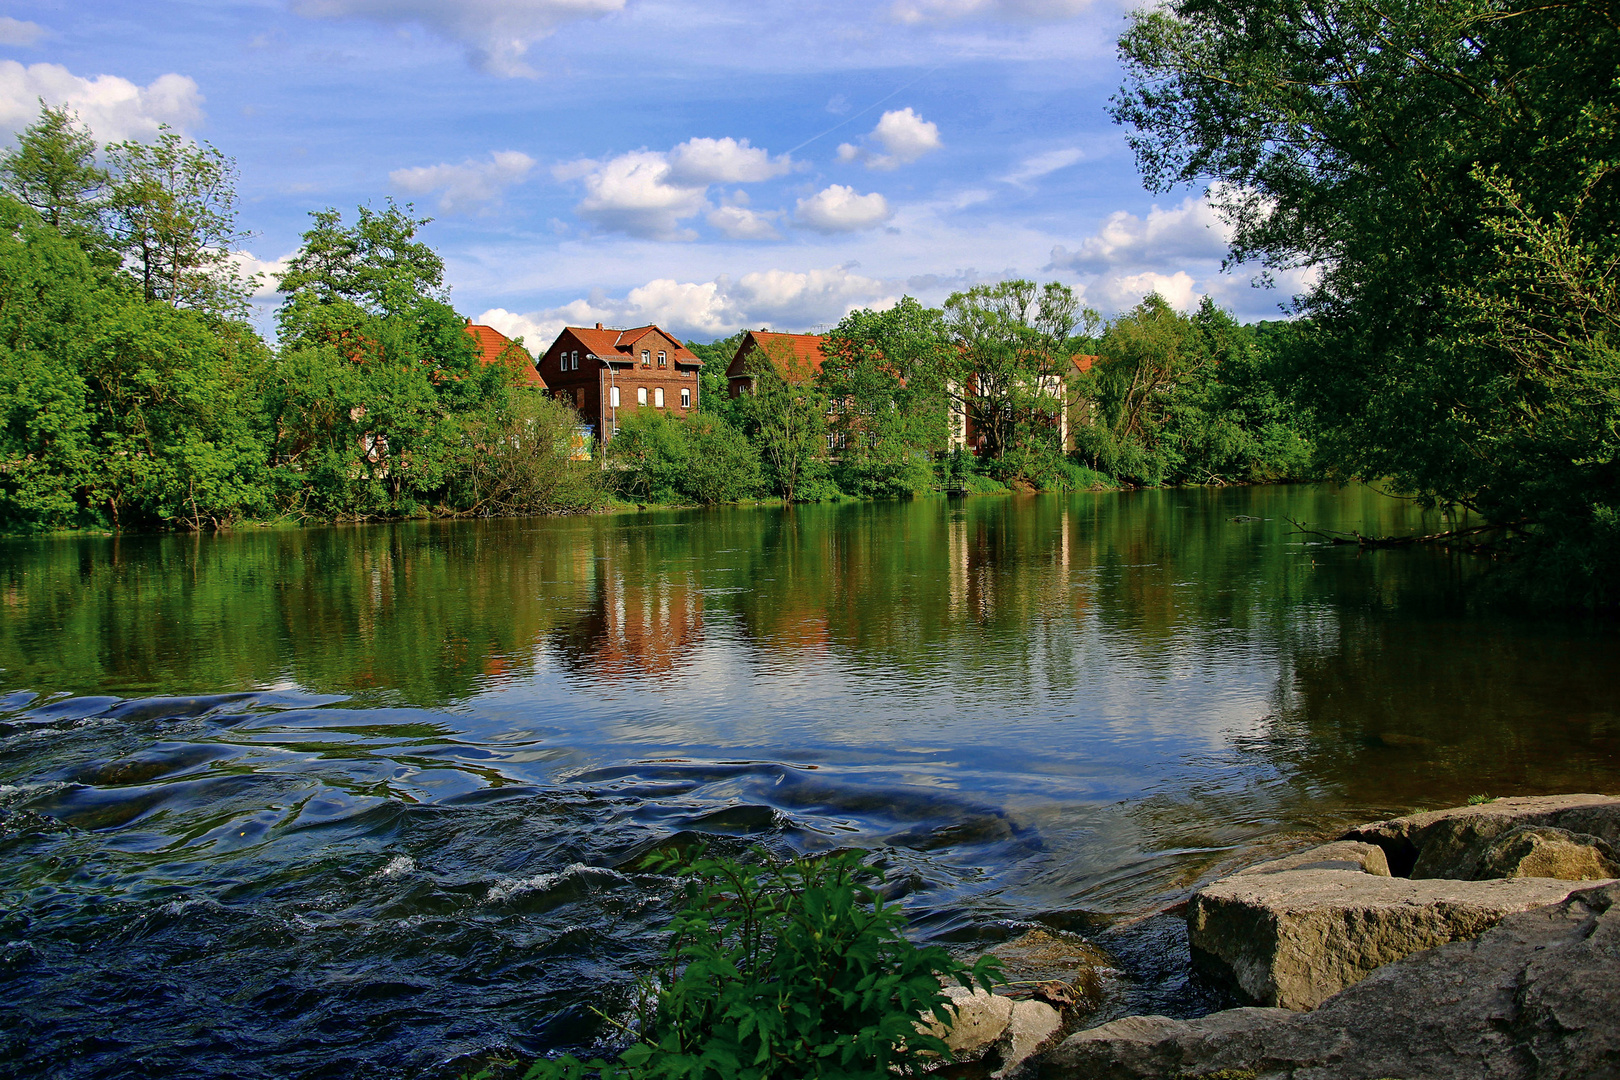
point(635, 624)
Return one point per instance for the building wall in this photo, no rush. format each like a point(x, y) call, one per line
point(590, 388)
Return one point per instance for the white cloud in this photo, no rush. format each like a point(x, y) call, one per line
point(1111, 293)
point(934, 11)
point(741, 223)
point(113, 107)
point(838, 208)
point(723, 161)
point(651, 194)
point(782, 299)
point(903, 134)
point(268, 270)
point(496, 33)
point(18, 32)
point(1192, 230)
point(633, 193)
point(1033, 168)
point(473, 187)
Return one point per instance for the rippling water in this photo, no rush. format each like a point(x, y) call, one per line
point(370, 802)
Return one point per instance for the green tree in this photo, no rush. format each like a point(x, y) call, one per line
point(377, 378)
point(1392, 149)
point(48, 305)
point(786, 417)
point(1011, 370)
point(173, 211)
point(53, 170)
point(701, 458)
point(517, 460)
point(714, 392)
point(885, 374)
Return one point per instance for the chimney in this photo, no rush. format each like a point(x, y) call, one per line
point(599, 326)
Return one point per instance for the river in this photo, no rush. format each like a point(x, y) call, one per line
point(364, 802)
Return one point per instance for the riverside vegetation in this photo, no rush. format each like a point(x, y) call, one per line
point(1448, 171)
point(134, 393)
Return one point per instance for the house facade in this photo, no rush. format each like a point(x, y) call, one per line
point(605, 373)
point(965, 433)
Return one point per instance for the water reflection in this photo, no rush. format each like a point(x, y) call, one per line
point(357, 801)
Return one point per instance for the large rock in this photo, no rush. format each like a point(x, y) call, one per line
point(1453, 843)
point(1294, 937)
point(1535, 998)
point(1532, 851)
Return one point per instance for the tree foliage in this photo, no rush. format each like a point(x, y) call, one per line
point(1432, 161)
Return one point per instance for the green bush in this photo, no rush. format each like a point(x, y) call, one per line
point(783, 970)
point(703, 459)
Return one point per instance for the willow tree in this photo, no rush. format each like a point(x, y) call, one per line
point(1407, 154)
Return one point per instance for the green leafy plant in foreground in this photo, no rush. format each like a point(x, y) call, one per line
point(782, 969)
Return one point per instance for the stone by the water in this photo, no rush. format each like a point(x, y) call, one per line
point(1535, 998)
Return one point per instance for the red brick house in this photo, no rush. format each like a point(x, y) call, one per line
point(797, 356)
point(495, 347)
point(604, 373)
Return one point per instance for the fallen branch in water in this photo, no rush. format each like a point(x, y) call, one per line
point(1353, 537)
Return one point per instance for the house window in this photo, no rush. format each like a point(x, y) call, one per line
point(662, 360)
point(686, 397)
point(646, 358)
point(614, 396)
point(574, 365)
point(641, 395)
point(658, 397)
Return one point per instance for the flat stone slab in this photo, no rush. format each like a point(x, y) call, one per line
point(1535, 998)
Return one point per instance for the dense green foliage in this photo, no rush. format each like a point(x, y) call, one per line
point(784, 970)
point(132, 394)
point(900, 392)
point(1449, 168)
point(1173, 399)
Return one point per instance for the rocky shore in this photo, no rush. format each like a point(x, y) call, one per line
point(1480, 942)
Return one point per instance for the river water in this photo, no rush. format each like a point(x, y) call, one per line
point(366, 802)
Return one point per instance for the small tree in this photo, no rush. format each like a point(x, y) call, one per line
point(786, 414)
point(1011, 370)
point(53, 169)
point(885, 376)
point(173, 208)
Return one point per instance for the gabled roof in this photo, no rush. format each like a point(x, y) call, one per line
point(495, 347)
point(1082, 362)
point(803, 349)
point(620, 345)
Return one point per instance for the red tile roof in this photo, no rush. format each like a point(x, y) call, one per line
point(621, 344)
point(803, 349)
point(495, 347)
point(1082, 362)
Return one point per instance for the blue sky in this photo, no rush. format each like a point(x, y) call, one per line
point(704, 166)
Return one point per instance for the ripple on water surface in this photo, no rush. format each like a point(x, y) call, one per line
point(427, 843)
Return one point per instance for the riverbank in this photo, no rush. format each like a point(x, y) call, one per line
point(1475, 941)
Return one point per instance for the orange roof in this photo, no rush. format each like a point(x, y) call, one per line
point(495, 347)
point(804, 349)
point(1082, 362)
point(621, 344)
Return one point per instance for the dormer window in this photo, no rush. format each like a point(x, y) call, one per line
point(646, 358)
point(663, 361)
